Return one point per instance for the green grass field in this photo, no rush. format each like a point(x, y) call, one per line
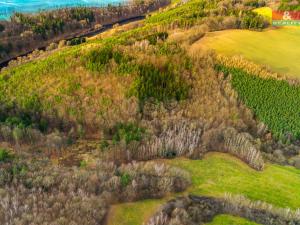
point(216, 175)
point(230, 220)
point(278, 49)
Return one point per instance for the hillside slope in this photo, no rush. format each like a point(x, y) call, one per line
point(88, 132)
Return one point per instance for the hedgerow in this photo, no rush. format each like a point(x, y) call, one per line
point(274, 102)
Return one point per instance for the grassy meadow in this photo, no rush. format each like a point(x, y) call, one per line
point(230, 220)
point(216, 175)
point(278, 49)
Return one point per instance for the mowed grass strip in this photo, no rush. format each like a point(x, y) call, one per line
point(279, 49)
point(216, 175)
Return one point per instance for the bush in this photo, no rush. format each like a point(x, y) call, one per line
point(170, 154)
point(127, 132)
point(104, 145)
point(251, 20)
point(51, 47)
point(161, 85)
point(125, 179)
point(97, 60)
point(153, 38)
point(168, 49)
point(83, 164)
point(62, 44)
point(4, 155)
point(14, 117)
point(77, 41)
point(17, 121)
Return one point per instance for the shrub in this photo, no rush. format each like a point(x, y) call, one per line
point(169, 154)
point(251, 20)
point(51, 47)
point(17, 121)
point(83, 164)
point(168, 49)
point(127, 132)
point(97, 60)
point(4, 155)
point(104, 145)
point(125, 179)
point(153, 38)
point(161, 85)
point(77, 41)
point(18, 170)
point(14, 117)
point(125, 67)
point(62, 43)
